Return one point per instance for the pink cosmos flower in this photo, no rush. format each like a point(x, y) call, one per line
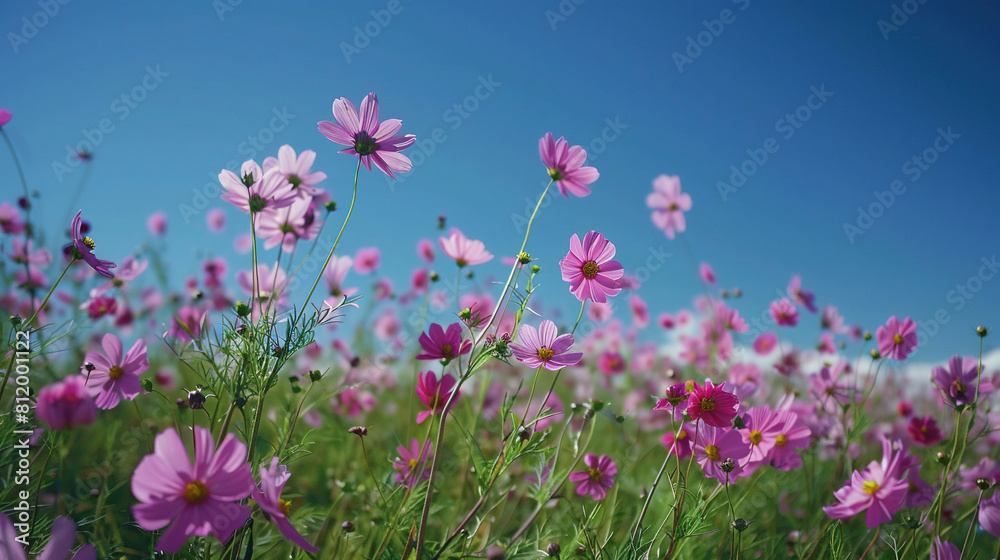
point(828, 384)
point(425, 249)
point(462, 250)
point(83, 248)
point(706, 273)
point(832, 321)
point(367, 259)
point(438, 344)
point(925, 430)
point(589, 269)
point(880, 489)
point(433, 393)
point(288, 225)
point(761, 434)
point(242, 243)
point(944, 550)
point(784, 313)
point(918, 492)
point(792, 435)
point(413, 464)
point(420, 281)
point(10, 219)
point(826, 344)
point(669, 204)
point(640, 311)
point(199, 500)
point(544, 347)
point(5, 117)
point(157, 223)
point(66, 403)
point(714, 446)
point(297, 170)
point(114, 377)
point(957, 383)
point(370, 140)
point(335, 274)
point(188, 324)
point(989, 514)
point(564, 165)
point(896, 340)
point(597, 479)
point(800, 296)
point(610, 362)
point(986, 468)
point(679, 445)
point(268, 497)
point(677, 396)
point(666, 321)
point(712, 404)
point(270, 286)
point(59, 546)
point(216, 220)
point(100, 306)
point(255, 191)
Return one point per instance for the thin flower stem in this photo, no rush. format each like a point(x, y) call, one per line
point(372, 472)
point(555, 379)
point(142, 426)
point(649, 496)
point(256, 425)
point(871, 544)
point(295, 418)
point(972, 525)
point(531, 395)
point(28, 232)
point(322, 269)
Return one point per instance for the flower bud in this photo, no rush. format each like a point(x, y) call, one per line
point(868, 336)
point(331, 206)
point(359, 431)
point(434, 276)
point(347, 526)
point(737, 292)
point(876, 355)
point(242, 309)
point(523, 258)
point(724, 294)
point(943, 458)
point(147, 384)
point(15, 320)
point(981, 331)
point(441, 221)
point(535, 269)
point(553, 549)
point(983, 484)
point(728, 465)
point(465, 314)
point(196, 399)
point(740, 524)
point(315, 375)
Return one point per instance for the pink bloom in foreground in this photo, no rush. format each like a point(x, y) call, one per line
point(114, 377)
point(880, 489)
point(668, 204)
point(268, 497)
point(433, 393)
point(597, 479)
point(83, 248)
point(710, 403)
point(66, 403)
point(188, 324)
point(370, 140)
point(462, 250)
point(716, 446)
point(58, 548)
point(791, 436)
point(438, 344)
point(589, 269)
point(544, 347)
point(413, 464)
point(195, 500)
point(784, 313)
point(897, 339)
point(564, 165)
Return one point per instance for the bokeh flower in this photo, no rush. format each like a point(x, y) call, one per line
point(268, 497)
point(462, 250)
point(897, 339)
point(669, 204)
point(66, 403)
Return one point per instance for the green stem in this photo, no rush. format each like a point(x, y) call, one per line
point(972, 525)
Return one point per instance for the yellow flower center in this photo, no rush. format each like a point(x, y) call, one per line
point(689, 385)
point(590, 269)
point(286, 506)
point(781, 440)
point(707, 404)
point(412, 463)
point(545, 353)
point(958, 385)
point(755, 437)
point(897, 339)
point(195, 492)
point(89, 243)
point(870, 487)
point(682, 435)
point(595, 474)
point(116, 372)
point(446, 351)
point(712, 452)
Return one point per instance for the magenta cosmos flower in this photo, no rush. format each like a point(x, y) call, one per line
point(268, 497)
point(413, 464)
point(367, 259)
point(880, 489)
point(958, 382)
point(59, 546)
point(115, 378)
point(83, 248)
point(433, 393)
point(897, 339)
point(66, 404)
point(370, 140)
point(589, 269)
point(564, 165)
point(791, 436)
point(712, 404)
point(5, 116)
point(597, 479)
point(194, 500)
point(800, 296)
point(784, 313)
point(715, 446)
point(668, 204)
point(462, 250)
point(544, 347)
point(438, 344)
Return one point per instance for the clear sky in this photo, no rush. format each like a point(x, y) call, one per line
point(839, 97)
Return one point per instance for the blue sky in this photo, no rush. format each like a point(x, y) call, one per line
point(687, 89)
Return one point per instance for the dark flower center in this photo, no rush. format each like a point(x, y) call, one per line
point(295, 180)
point(590, 269)
point(958, 386)
point(195, 492)
point(447, 351)
point(257, 203)
point(364, 144)
point(672, 207)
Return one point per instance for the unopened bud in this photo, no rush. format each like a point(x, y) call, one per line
point(535, 269)
point(740, 524)
point(315, 375)
point(494, 553)
point(728, 465)
point(465, 314)
point(553, 549)
point(242, 309)
point(724, 294)
point(876, 355)
point(523, 258)
point(738, 423)
point(359, 431)
point(147, 384)
point(983, 484)
point(15, 320)
point(981, 331)
point(196, 399)
point(943, 458)
point(434, 276)
point(737, 292)
point(868, 336)
point(347, 526)
point(331, 206)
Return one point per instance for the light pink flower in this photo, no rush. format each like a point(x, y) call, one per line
point(297, 170)
point(367, 259)
point(462, 250)
point(669, 204)
point(597, 479)
point(544, 347)
point(114, 377)
point(707, 274)
point(784, 313)
point(255, 191)
point(880, 489)
point(564, 165)
point(413, 464)
point(157, 223)
point(216, 220)
point(370, 140)
point(765, 343)
point(714, 446)
point(268, 497)
point(640, 311)
point(425, 249)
